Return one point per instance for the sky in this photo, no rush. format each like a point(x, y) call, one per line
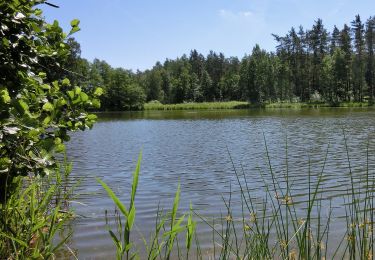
point(135, 34)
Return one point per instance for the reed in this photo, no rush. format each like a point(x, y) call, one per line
point(168, 226)
point(273, 228)
point(34, 214)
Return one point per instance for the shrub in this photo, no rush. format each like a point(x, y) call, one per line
point(38, 105)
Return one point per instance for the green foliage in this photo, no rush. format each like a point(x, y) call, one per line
point(305, 62)
point(119, 89)
point(38, 106)
point(32, 216)
point(338, 65)
point(156, 105)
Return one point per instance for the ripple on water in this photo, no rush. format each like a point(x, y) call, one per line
point(193, 149)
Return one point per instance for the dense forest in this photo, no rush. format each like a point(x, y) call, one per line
point(312, 65)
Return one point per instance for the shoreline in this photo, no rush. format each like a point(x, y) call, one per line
point(247, 105)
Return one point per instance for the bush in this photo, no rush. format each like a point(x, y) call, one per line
point(38, 106)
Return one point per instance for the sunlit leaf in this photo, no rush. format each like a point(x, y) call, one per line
point(98, 92)
point(74, 22)
point(48, 107)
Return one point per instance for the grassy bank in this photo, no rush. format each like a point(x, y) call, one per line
point(197, 106)
point(246, 105)
point(315, 104)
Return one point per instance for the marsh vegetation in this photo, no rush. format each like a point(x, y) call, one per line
point(229, 183)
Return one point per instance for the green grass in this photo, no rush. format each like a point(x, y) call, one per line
point(246, 105)
point(197, 106)
point(33, 215)
point(298, 105)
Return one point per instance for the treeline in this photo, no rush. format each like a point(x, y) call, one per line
point(312, 65)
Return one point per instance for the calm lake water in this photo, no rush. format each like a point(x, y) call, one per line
point(193, 147)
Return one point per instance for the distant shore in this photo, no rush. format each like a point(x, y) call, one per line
point(247, 105)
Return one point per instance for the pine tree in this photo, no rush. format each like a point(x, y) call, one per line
point(318, 39)
point(346, 47)
point(358, 64)
point(370, 43)
point(335, 39)
point(303, 60)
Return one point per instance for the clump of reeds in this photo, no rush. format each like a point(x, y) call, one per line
point(272, 229)
point(168, 226)
point(33, 214)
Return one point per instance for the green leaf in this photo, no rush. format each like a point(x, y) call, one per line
point(98, 92)
point(135, 179)
point(42, 75)
point(77, 100)
point(5, 42)
point(48, 107)
point(22, 106)
point(55, 23)
point(131, 218)
point(60, 148)
point(175, 204)
point(77, 90)
point(47, 120)
point(115, 240)
point(14, 239)
point(71, 94)
point(57, 140)
point(96, 103)
point(55, 84)
point(92, 117)
point(113, 196)
point(4, 162)
point(38, 12)
point(4, 94)
point(65, 82)
point(46, 86)
point(61, 102)
point(128, 247)
point(178, 226)
point(74, 30)
point(190, 229)
point(74, 22)
point(34, 133)
point(84, 97)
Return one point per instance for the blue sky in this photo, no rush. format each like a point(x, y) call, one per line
point(135, 34)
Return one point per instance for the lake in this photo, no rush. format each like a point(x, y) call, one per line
point(195, 148)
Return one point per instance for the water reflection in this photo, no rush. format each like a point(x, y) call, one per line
point(192, 147)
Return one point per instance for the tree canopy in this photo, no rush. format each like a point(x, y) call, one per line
point(39, 104)
point(307, 65)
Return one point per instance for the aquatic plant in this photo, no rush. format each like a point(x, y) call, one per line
point(163, 239)
point(34, 214)
point(272, 228)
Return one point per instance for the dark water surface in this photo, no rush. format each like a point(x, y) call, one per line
point(191, 147)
